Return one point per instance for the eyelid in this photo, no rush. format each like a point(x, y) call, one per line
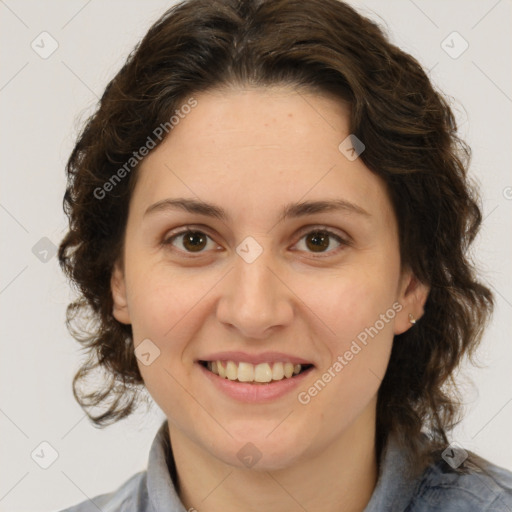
point(336, 232)
point(343, 239)
point(170, 236)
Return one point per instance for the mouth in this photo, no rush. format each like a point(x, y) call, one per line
point(262, 373)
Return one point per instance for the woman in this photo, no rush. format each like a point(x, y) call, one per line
point(269, 223)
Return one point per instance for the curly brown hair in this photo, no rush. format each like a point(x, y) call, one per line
point(409, 132)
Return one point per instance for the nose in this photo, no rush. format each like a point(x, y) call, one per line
point(255, 299)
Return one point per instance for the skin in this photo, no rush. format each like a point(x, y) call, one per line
point(252, 151)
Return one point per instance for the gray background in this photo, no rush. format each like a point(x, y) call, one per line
point(43, 101)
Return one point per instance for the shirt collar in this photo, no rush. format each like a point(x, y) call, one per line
point(162, 494)
point(395, 488)
point(393, 492)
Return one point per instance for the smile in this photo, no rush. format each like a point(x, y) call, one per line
point(262, 373)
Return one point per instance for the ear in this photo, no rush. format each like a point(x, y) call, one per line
point(118, 289)
point(412, 296)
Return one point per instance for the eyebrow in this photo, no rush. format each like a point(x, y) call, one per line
point(291, 210)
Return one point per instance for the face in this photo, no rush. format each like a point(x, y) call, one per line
point(318, 287)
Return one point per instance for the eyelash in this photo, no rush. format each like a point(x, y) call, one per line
point(190, 229)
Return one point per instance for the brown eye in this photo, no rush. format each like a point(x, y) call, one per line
point(317, 241)
point(320, 241)
point(192, 241)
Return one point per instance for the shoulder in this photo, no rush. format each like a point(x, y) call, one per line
point(131, 496)
point(483, 487)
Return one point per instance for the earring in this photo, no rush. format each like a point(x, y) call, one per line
point(412, 319)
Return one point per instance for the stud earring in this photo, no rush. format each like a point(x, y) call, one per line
point(412, 319)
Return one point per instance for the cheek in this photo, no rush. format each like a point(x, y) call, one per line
point(159, 301)
point(355, 305)
point(361, 316)
point(162, 310)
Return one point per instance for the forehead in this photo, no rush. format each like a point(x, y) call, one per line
point(259, 148)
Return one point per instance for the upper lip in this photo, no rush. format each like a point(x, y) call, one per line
point(263, 357)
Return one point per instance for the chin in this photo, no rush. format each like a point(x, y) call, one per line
point(259, 453)
point(262, 460)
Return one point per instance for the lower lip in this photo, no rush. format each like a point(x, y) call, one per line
point(255, 393)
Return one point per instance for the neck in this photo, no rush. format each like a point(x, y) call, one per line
point(339, 479)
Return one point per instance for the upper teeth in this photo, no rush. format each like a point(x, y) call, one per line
point(247, 372)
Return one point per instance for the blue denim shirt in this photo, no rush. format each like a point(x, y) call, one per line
point(438, 488)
